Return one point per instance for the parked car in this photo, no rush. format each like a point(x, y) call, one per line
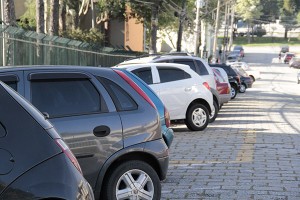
point(295, 62)
point(240, 49)
point(246, 80)
point(197, 64)
point(234, 78)
point(287, 57)
point(185, 94)
point(164, 115)
point(234, 56)
point(109, 123)
point(35, 162)
point(254, 74)
point(223, 85)
point(284, 49)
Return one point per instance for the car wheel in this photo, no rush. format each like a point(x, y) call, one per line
point(233, 92)
point(197, 117)
point(214, 114)
point(243, 88)
point(133, 180)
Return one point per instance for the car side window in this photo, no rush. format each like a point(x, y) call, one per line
point(186, 62)
point(65, 97)
point(12, 84)
point(2, 130)
point(202, 68)
point(10, 80)
point(145, 74)
point(122, 100)
point(172, 74)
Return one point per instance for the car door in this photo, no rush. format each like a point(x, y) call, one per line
point(175, 88)
point(82, 112)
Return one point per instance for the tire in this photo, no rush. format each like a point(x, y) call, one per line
point(197, 117)
point(233, 92)
point(214, 114)
point(140, 174)
point(243, 88)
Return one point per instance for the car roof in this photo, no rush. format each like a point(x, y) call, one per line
point(153, 58)
point(133, 66)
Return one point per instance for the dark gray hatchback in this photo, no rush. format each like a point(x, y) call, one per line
point(110, 125)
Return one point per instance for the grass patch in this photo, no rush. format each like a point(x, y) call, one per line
point(265, 41)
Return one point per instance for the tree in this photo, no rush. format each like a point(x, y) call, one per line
point(54, 17)
point(40, 28)
point(9, 12)
point(288, 12)
point(270, 10)
point(249, 10)
point(298, 18)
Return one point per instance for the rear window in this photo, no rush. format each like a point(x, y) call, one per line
point(145, 74)
point(172, 74)
point(122, 100)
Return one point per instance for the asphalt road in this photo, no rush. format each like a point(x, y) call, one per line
point(252, 150)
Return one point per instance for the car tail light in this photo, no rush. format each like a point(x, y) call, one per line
point(167, 117)
point(135, 87)
point(239, 79)
point(206, 85)
point(68, 153)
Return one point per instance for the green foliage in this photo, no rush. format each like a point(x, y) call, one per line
point(298, 18)
point(115, 8)
point(270, 10)
point(249, 9)
point(263, 41)
point(90, 36)
point(27, 20)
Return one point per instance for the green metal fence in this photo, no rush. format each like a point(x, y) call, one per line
point(20, 47)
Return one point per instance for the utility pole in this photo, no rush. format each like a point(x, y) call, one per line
point(216, 31)
point(180, 29)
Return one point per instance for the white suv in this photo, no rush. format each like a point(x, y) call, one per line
point(197, 64)
point(185, 94)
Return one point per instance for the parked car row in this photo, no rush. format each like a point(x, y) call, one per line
point(111, 125)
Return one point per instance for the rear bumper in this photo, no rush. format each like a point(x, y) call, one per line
point(168, 135)
point(159, 150)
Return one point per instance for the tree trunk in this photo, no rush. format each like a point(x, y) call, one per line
point(180, 29)
point(286, 32)
point(46, 18)
point(54, 17)
point(62, 15)
point(9, 12)
point(40, 26)
point(154, 26)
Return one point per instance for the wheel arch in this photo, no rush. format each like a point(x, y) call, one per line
point(199, 101)
point(109, 167)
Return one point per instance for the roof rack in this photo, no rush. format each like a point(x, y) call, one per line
point(179, 54)
point(143, 56)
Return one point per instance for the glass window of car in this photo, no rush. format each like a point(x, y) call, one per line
point(65, 97)
point(168, 74)
point(145, 74)
point(186, 62)
point(202, 68)
point(122, 100)
point(12, 84)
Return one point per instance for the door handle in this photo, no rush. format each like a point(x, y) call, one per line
point(187, 89)
point(101, 131)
